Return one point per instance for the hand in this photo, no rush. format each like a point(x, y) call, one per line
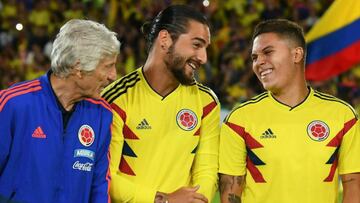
point(187, 195)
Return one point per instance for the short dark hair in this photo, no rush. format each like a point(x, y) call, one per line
point(284, 28)
point(174, 19)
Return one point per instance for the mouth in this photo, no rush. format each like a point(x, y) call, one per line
point(265, 73)
point(194, 65)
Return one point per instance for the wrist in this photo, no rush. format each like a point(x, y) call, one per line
point(161, 197)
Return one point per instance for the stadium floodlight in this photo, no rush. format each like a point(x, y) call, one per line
point(206, 3)
point(19, 26)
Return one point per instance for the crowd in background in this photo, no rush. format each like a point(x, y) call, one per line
point(29, 26)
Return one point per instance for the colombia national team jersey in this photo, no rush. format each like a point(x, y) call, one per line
point(161, 143)
point(290, 154)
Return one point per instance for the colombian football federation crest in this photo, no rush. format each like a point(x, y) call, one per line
point(86, 135)
point(318, 130)
point(186, 119)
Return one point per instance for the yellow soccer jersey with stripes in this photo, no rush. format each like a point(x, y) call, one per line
point(290, 155)
point(162, 143)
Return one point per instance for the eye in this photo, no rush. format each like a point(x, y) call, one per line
point(268, 52)
point(109, 66)
point(197, 45)
point(253, 58)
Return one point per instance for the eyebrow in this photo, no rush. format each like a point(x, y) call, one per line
point(267, 47)
point(199, 39)
point(264, 49)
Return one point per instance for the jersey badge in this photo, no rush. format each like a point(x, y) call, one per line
point(86, 135)
point(186, 119)
point(318, 130)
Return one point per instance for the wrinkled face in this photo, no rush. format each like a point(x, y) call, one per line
point(188, 52)
point(92, 83)
point(273, 61)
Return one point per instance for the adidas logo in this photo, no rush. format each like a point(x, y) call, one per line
point(143, 125)
point(268, 134)
point(38, 133)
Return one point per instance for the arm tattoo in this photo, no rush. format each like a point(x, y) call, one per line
point(229, 186)
point(240, 180)
point(234, 198)
point(225, 183)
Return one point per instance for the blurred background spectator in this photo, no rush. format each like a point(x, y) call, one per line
point(28, 28)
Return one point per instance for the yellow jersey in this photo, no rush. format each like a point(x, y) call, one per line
point(162, 143)
point(290, 155)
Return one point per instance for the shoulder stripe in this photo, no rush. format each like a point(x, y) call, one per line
point(120, 84)
point(208, 91)
point(121, 91)
point(203, 86)
point(18, 87)
point(334, 99)
point(20, 92)
point(254, 100)
point(99, 102)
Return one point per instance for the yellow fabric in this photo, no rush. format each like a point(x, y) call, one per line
point(294, 166)
point(163, 156)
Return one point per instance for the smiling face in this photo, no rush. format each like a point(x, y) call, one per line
point(274, 60)
point(92, 83)
point(188, 52)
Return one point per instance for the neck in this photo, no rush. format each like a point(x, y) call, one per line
point(159, 76)
point(65, 91)
point(292, 96)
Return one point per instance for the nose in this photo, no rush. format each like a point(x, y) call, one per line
point(112, 74)
point(202, 56)
point(260, 59)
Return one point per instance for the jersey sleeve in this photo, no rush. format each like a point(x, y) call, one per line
point(349, 152)
point(123, 189)
point(101, 181)
point(5, 134)
point(232, 150)
point(205, 167)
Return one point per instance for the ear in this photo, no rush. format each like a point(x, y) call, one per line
point(164, 39)
point(76, 70)
point(298, 54)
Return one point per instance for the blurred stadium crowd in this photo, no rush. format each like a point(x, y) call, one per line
point(28, 28)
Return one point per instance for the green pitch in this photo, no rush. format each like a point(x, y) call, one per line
point(216, 198)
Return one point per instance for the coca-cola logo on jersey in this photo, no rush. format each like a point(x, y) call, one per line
point(83, 166)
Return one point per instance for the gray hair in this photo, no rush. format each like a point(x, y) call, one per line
point(82, 41)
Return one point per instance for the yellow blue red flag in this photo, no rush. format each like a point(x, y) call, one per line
point(334, 41)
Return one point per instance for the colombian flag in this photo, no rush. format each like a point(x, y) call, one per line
point(334, 41)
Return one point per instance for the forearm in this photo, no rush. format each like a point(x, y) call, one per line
point(231, 188)
point(161, 197)
point(351, 185)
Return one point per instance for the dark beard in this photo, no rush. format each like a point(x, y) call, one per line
point(176, 65)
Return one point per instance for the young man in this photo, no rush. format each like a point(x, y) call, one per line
point(55, 130)
point(166, 125)
point(291, 143)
